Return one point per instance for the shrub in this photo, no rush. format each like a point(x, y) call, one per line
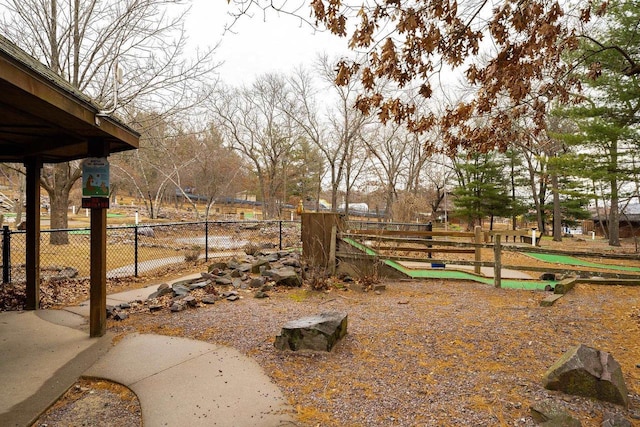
point(192, 254)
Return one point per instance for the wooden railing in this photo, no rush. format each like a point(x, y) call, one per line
point(443, 242)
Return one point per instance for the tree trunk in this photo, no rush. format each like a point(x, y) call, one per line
point(557, 215)
point(614, 210)
point(19, 202)
point(58, 183)
point(59, 200)
point(614, 216)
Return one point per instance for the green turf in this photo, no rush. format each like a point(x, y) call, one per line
point(569, 260)
point(455, 274)
point(116, 215)
point(82, 231)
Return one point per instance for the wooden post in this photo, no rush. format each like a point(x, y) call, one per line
point(32, 261)
point(332, 250)
point(98, 273)
point(478, 240)
point(98, 292)
point(497, 260)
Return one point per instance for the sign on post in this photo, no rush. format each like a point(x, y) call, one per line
point(95, 183)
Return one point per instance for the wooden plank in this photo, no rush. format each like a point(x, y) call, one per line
point(428, 250)
point(332, 250)
point(565, 285)
point(408, 233)
point(549, 300)
point(610, 281)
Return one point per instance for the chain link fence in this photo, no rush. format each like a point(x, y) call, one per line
point(141, 249)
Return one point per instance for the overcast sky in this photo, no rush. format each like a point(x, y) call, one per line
point(258, 44)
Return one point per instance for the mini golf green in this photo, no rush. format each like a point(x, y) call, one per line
point(455, 274)
point(569, 260)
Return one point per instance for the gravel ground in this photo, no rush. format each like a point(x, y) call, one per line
point(428, 353)
point(94, 403)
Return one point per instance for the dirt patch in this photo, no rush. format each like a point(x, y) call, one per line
point(97, 403)
point(420, 353)
point(423, 353)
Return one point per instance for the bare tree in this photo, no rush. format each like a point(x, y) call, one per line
point(336, 129)
point(252, 122)
point(388, 147)
point(85, 41)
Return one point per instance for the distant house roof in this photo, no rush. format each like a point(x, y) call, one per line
point(631, 212)
point(42, 115)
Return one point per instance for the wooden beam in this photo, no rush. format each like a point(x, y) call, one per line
point(549, 300)
point(98, 291)
point(32, 261)
point(428, 250)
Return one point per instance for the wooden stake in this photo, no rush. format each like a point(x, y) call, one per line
point(497, 260)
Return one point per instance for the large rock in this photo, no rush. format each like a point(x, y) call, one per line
point(552, 414)
point(146, 231)
point(585, 371)
point(286, 277)
point(319, 332)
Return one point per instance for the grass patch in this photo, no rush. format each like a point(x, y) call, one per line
point(299, 295)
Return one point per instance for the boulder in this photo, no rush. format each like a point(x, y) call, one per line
point(146, 231)
point(177, 306)
point(180, 290)
point(318, 333)
point(190, 300)
point(257, 282)
point(615, 420)
point(552, 414)
point(198, 285)
point(286, 277)
point(221, 265)
point(163, 289)
point(260, 265)
point(585, 371)
point(223, 281)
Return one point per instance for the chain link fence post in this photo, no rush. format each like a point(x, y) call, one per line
point(135, 250)
point(206, 240)
point(6, 254)
point(280, 243)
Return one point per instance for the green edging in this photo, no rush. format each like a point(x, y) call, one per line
point(570, 260)
point(455, 274)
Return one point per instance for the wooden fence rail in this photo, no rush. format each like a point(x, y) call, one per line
point(430, 242)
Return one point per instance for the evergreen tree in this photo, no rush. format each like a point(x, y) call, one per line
point(483, 190)
point(607, 119)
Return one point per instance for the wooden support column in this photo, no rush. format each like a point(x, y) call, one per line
point(32, 259)
point(98, 291)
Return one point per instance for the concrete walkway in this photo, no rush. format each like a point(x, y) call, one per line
point(177, 380)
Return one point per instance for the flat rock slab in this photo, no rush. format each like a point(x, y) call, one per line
point(320, 332)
